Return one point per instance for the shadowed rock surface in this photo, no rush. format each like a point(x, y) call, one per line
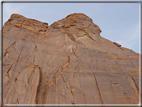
point(67, 62)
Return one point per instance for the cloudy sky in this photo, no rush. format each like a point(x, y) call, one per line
point(119, 22)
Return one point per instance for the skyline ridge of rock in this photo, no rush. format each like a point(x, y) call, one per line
point(75, 15)
point(67, 62)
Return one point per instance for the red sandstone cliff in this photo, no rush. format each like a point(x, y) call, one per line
point(67, 62)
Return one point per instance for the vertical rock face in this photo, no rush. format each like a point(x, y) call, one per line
point(67, 62)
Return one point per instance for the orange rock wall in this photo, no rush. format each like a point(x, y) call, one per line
point(67, 62)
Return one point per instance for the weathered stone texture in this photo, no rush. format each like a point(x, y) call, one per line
point(67, 62)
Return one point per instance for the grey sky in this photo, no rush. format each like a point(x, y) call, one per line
point(119, 22)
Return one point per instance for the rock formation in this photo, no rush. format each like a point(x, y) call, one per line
point(67, 62)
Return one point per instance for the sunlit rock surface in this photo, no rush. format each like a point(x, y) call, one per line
point(67, 62)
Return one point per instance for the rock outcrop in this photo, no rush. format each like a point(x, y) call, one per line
point(67, 62)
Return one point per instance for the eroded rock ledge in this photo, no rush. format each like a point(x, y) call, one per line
point(67, 62)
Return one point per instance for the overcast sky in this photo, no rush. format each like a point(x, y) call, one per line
point(119, 22)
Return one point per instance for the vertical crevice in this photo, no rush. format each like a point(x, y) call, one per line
point(134, 88)
point(73, 51)
point(38, 87)
point(85, 98)
point(17, 101)
point(64, 81)
point(9, 70)
point(98, 89)
point(19, 55)
point(72, 95)
point(135, 84)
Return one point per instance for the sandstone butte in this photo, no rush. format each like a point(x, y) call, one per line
point(67, 62)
